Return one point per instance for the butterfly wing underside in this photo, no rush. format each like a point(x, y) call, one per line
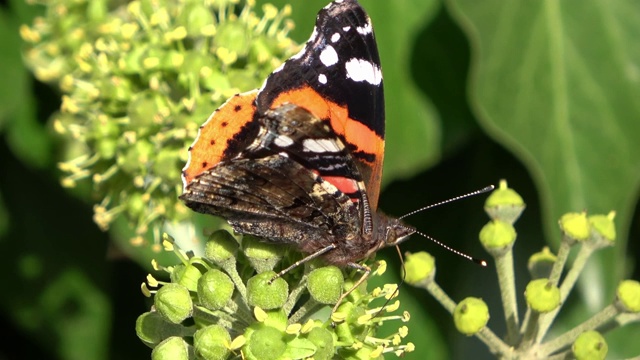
point(269, 191)
point(337, 77)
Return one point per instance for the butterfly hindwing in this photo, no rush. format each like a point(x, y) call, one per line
point(267, 185)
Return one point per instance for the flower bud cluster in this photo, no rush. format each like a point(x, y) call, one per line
point(545, 293)
point(232, 301)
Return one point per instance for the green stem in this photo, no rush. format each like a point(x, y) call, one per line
point(506, 280)
point(494, 343)
point(567, 285)
point(605, 315)
point(563, 253)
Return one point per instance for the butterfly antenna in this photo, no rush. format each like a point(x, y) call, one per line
point(473, 193)
point(478, 261)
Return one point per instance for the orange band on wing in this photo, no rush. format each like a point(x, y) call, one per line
point(358, 136)
point(214, 135)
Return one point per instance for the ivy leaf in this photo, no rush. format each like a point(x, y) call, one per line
point(557, 84)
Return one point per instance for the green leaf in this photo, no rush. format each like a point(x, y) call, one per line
point(27, 138)
point(557, 84)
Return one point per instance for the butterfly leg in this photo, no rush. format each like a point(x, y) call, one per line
point(310, 257)
point(366, 272)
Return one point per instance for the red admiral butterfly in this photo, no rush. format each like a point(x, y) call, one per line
point(299, 161)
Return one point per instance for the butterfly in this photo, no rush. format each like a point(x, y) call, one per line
point(299, 161)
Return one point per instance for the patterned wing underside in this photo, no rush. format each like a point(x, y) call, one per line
point(273, 197)
point(293, 131)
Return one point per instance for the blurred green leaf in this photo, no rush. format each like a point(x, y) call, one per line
point(557, 83)
point(27, 138)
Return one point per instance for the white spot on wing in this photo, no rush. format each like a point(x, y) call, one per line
point(363, 70)
point(329, 56)
point(320, 145)
point(335, 37)
point(322, 78)
point(346, 28)
point(366, 29)
point(283, 141)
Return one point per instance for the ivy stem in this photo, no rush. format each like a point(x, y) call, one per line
point(567, 285)
point(563, 253)
point(506, 280)
point(495, 344)
point(566, 339)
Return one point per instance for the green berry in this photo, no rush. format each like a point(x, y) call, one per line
point(603, 229)
point(221, 247)
point(186, 275)
point(542, 296)
point(263, 256)
point(471, 315)
point(211, 342)
point(152, 328)
point(325, 284)
point(540, 263)
point(420, 268)
point(324, 342)
point(497, 237)
point(173, 348)
point(214, 289)
point(264, 295)
point(265, 343)
point(504, 204)
point(173, 302)
point(590, 345)
point(628, 296)
point(575, 226)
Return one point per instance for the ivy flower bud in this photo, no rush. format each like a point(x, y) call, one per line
point(628, 296)
point(541, 263)
point(215, 289)
point(504, 204)
point(471, 315)
point(210, 343)
point(265, 343)
point(575, 227)
point(542, 296)
point(420, 268)
point(603, 229)
point(323, 340)
point(263, 256)
point(266, 295)
point(590, 345)
point(173, 302)
point(152, 328)
point(498, 237)
point(221, 248)
point(173, 348)
point(325, 284)
point(186, 275)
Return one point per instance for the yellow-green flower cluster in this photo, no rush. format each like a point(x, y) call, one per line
point(137, 79)
point(230, 301)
